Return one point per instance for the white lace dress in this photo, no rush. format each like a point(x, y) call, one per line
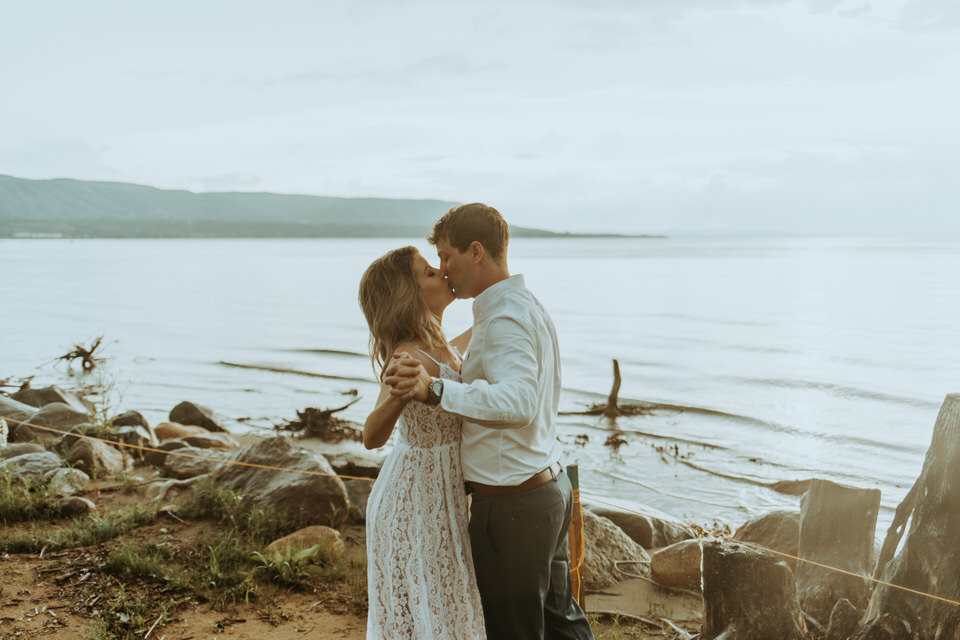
point(420, 575)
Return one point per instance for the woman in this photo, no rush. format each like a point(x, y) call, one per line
point(420, 573)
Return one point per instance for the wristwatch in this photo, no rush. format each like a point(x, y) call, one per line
point(434, 391)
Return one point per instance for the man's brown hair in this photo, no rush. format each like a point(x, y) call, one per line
point(473, 222)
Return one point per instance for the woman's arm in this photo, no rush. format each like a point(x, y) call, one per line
point(381, 421)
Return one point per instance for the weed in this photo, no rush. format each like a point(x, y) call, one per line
point(128, 615)
point(138, 560)
point(83, 532)
point(23, 498)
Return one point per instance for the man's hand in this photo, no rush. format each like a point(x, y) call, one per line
point(406, 377)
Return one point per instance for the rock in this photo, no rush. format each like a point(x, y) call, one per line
point(358, 492)
point(96, 458)
point(18, 449)
point(189, 462)
point(33, 465)
point(130, 419)
point(648, 532)
point(14, 412)
point(748, 595)
point(76, 506)
point(328, 539)
point(209, 440)
point(928, 558)
point(360, 464)
point(49, 395)
point(137, 436)
point(192, 414)
point(72, 437)
point(777, 530)
point(66, 481)
point(174, 430)
point(606, 546)
point(162, 488)
point(844, 620)
point(317, 499)
point(156, 458)
point(58, 416)
point(837, 529)
point(677, 565)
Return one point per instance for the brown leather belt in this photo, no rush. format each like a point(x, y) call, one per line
point(494, 491)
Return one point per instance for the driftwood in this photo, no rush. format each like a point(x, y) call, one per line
point(612, 408)
point(88, 361)
point(321, 423)
point(748, 595)
point(929, 560)
point(837, 528)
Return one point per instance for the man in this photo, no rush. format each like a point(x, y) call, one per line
point(522, 500)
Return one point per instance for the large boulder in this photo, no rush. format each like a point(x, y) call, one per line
point(176, 431)
point(189, 413)
point(777, 530)
point(158, 457)
point(96, 458)
point(306, 489)
point(328, 539)
point(647, 531)
point(607, 549)
point(360, 464)
point(57, 416)
point(49, 395)
point(358, 492)
point(18, 449)
point(137, 436)
point(677, 565)
point(189, 462)
point(32, 465)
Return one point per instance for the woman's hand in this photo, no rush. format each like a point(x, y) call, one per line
point(406, 377)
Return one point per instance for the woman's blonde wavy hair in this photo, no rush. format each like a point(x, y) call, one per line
point(394, 307)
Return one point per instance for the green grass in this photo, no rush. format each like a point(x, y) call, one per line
point(128, 614)
point(85, 531)
point(23, 499)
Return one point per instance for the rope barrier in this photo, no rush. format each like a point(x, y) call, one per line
point(698, 531)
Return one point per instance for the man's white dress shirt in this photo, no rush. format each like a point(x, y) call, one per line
point(510, 390)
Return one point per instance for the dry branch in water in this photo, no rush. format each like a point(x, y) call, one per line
point(79, 352)
point(611, 408)
point(321, 423)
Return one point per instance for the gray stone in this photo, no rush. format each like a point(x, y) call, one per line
point(137, 436)
point(33, 465)
point(359, 464)
point(57, 416)
point(777, 530)
point(191, 414)
point(358, 492)
point(18, 449)
point(66, 481)
point(157, 458)
point(130, 419)
point(96, 458)
point(610, 554)
point(647, 531)
point(14, 412)
point(49, 395)
point(76, 506)
point(677, 565)
point(189, 462)
point(844, 620)
point(309, 491)
point(217, 441)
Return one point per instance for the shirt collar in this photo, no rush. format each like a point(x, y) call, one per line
point(495, 293)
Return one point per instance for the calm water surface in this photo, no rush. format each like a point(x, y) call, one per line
point(782, 358)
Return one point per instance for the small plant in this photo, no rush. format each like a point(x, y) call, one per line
point(138, 560)
point(83, 532)
point(24, 498)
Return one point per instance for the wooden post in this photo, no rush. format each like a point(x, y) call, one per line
point(748, 595)
point(929, 560)
point(837, 528)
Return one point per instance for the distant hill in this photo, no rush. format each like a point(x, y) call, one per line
point(82, 209)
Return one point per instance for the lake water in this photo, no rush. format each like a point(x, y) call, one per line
point(782, 358)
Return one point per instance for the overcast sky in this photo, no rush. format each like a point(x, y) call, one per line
point(820, 117)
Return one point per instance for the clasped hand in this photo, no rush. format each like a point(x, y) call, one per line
point(406, 377)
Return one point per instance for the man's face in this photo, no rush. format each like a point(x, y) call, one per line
point(457, 267)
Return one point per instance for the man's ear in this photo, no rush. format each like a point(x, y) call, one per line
point(477, 251)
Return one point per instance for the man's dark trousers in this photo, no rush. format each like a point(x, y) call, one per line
point(522, 559)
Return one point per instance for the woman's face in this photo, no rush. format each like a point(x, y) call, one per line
point(434, 287)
